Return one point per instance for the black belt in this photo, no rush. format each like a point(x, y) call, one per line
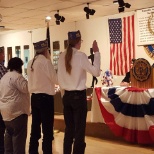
point(75, 91)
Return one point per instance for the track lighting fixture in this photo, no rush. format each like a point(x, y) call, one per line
point(89, 11)
point(122, 5)
point(59, 18)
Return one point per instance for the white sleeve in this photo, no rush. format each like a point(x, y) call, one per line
point(92, 69)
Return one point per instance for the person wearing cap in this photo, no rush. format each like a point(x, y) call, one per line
point(126, 79)
point(3, 70)
point(41, 84)
point(72, 68)
point(15, 107)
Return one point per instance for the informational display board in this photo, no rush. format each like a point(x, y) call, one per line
point(145, 31)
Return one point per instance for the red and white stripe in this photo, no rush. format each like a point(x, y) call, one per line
point(122, 53)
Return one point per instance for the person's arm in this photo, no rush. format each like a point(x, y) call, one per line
point(21, 84)
point(126, 80)
point(95, 68)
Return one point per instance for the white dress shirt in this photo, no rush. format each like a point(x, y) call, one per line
point(80, 66)
point(14, 96)
point(43, 77)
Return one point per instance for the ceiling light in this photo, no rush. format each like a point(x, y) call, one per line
point(59, 18)
point(89, 11)
point(47, 19)
point(115, 2)
point(122, 5)
point(127, 5)
point(87, 16)
point(121, 9)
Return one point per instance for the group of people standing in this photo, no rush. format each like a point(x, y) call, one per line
point(15, 101)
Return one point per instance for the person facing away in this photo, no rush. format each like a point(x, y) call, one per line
point(72, 68)
point(15, 107)
point(41, 84)
point(126, 79)
point(94, 79)
point(3, 70)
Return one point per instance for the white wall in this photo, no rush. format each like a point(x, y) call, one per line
point(92, 29)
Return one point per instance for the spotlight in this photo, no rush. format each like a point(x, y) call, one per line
point(57, 22)
point(59, 18)
point(89, 11)
point(92, 12)
point(121, 9)
point(87, 16)
point(86, 9)
point(115, 2)
point(127, 5)
point(62, 19)
point(122, 5)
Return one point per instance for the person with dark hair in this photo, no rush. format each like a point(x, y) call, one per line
point(41, 84)
point(3, 70)
point(73, 66)
point(15, 107)
point(94, 79)
point(126, 80)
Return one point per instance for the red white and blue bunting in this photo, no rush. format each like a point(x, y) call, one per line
point(129, 112)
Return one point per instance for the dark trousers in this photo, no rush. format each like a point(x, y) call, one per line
point(42, 106)
point(2, 131)
point(75, 113)
point(16, 134)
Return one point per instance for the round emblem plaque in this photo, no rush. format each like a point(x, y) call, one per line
point(141, 69)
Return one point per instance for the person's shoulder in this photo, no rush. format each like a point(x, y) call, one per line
point(80, 53)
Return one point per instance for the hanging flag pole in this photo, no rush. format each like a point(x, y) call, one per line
point(48, 32)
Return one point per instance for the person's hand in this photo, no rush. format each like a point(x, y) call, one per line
point(95, 46)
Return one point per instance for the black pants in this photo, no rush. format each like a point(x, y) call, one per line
point(2, 131)
point(16, 134)
point(75, 113)
point(42, 106)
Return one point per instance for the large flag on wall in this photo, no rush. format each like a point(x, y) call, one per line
point(122, 48)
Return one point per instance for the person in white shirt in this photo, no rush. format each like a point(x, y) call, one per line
point(3, 70)
point(15, 107)
point(41, 84)
point(73, 66)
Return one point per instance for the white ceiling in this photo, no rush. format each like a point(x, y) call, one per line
point(30, 14)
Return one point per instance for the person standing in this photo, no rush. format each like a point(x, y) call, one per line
point(15, 107)
point(3, 70)
point(41, 84)
point(72, 68)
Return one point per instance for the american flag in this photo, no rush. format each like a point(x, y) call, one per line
point(122, 48)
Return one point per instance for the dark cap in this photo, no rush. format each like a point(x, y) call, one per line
point(40, 46)
point(74, 35)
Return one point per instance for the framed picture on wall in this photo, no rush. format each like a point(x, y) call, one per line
point(65, 44)
point(26, 57)
point(56, 52)
point(9, 53)
point(18, 51)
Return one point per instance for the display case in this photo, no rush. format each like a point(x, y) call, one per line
point(56, 53)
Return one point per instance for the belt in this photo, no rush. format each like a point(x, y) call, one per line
point(75, 91)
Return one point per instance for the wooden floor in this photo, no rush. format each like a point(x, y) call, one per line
point(96, 145)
